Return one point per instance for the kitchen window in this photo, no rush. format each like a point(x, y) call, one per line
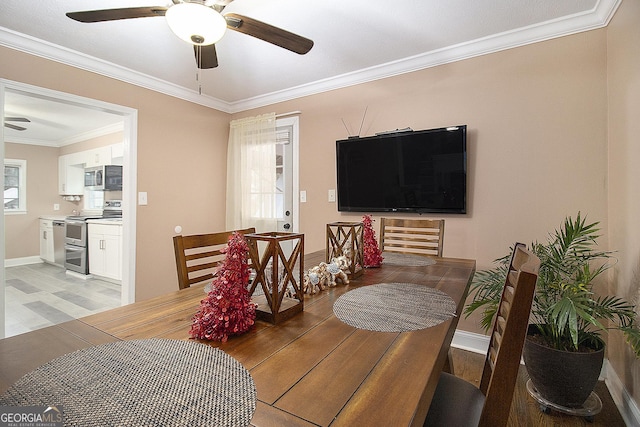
point(15, 186)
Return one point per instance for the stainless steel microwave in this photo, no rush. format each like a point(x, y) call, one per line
point(105, 178)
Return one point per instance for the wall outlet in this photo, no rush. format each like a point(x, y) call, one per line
point(332, 195)
point(56, 206)
point(303, 196)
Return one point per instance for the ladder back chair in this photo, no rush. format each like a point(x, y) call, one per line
point(412, 236)
point(457, 402)
point(198, 255)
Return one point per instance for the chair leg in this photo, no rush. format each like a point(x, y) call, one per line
point(448, 364)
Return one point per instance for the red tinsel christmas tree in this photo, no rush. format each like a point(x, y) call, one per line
point(371, 251)
point(227, 309)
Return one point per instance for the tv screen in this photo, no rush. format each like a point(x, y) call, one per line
point(414, 171)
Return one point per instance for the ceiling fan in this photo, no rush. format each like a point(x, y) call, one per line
point(15, 119)
point(201, 23)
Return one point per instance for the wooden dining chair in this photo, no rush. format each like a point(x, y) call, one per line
point(198, 255)
point(412, 236)
point(457, 402)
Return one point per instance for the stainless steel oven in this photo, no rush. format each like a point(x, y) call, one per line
point(75, 244)
point(75, 231)
point(76, 259)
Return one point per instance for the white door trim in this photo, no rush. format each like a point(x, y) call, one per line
point(130, 146)
point(294, 122)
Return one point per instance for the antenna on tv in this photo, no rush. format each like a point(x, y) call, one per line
point(361, 123)
point(345, 126)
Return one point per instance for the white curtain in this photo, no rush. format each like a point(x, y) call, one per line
point(251, 174)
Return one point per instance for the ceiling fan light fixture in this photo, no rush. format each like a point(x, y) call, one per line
point(196, 23)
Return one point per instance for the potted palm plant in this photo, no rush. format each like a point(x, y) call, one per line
point(568, 316)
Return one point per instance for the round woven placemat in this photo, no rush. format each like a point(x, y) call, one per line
point(408, 260)
point(394, 307)
point(153, 382)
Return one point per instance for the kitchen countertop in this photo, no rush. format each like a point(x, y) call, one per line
point(53, 217)
point(105, 221)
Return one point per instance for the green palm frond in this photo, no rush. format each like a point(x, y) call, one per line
point(632, 335)
point(565, 307)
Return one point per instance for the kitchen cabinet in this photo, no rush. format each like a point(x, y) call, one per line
point(97, 157)
point(105, 249)
point(71, 167)
point(70, 175)
point(47, 251)
point(117, 154)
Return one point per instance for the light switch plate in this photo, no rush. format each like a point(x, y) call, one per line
point(142, 198)
point(303, 196)
point(332, 195)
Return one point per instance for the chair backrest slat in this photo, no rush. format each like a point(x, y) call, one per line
point(412, 236)
point(198, 255)
point(507, 338)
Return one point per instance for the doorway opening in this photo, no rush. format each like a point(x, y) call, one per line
point(127, 117)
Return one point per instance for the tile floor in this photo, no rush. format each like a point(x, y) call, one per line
point(40, 295)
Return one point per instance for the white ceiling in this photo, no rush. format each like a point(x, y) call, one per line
point(54, 122)
point(354, 41)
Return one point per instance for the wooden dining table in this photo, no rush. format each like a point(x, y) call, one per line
point(311, 369)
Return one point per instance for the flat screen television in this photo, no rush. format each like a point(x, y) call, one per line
point(415, 171)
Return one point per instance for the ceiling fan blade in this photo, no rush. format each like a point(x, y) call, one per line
point(10, 126)
point(88, 16)
point(17, 119)
point(269, 33)
point(206, 56)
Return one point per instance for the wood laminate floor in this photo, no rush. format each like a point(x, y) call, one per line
point(40, 295)
point(525, 411)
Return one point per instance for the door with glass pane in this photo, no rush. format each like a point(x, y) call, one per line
point(287, 182)
point(284, 177)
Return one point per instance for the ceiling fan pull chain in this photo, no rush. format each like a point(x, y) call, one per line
point(199, 61)
point(198, 81)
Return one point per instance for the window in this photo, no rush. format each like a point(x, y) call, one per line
point(93, 200)
point(15, 186)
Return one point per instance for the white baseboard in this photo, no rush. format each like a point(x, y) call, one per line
point(625, 403)
point(628, 408)
point(15, 262)
point(78, 275)
point(469, 341)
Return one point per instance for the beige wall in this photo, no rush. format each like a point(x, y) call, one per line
point(624, 174)
point(537, 140)
point(537, 145)
point(22, 230)
point(181, 160)
point(538, 124)
point(97, 142)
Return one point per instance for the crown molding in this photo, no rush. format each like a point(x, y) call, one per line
point(84, 136)
point(94, 133)
point(597, 17)
point(53, 52)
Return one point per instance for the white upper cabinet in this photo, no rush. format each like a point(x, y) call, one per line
point(71, 167)
point(97, 157)
point(70, 175)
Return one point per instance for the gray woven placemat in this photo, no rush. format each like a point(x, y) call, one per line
point(394, 307)
point(408, 260)
point(153, 382)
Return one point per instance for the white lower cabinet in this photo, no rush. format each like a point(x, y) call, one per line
point(105, 250)
point(46, 241)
